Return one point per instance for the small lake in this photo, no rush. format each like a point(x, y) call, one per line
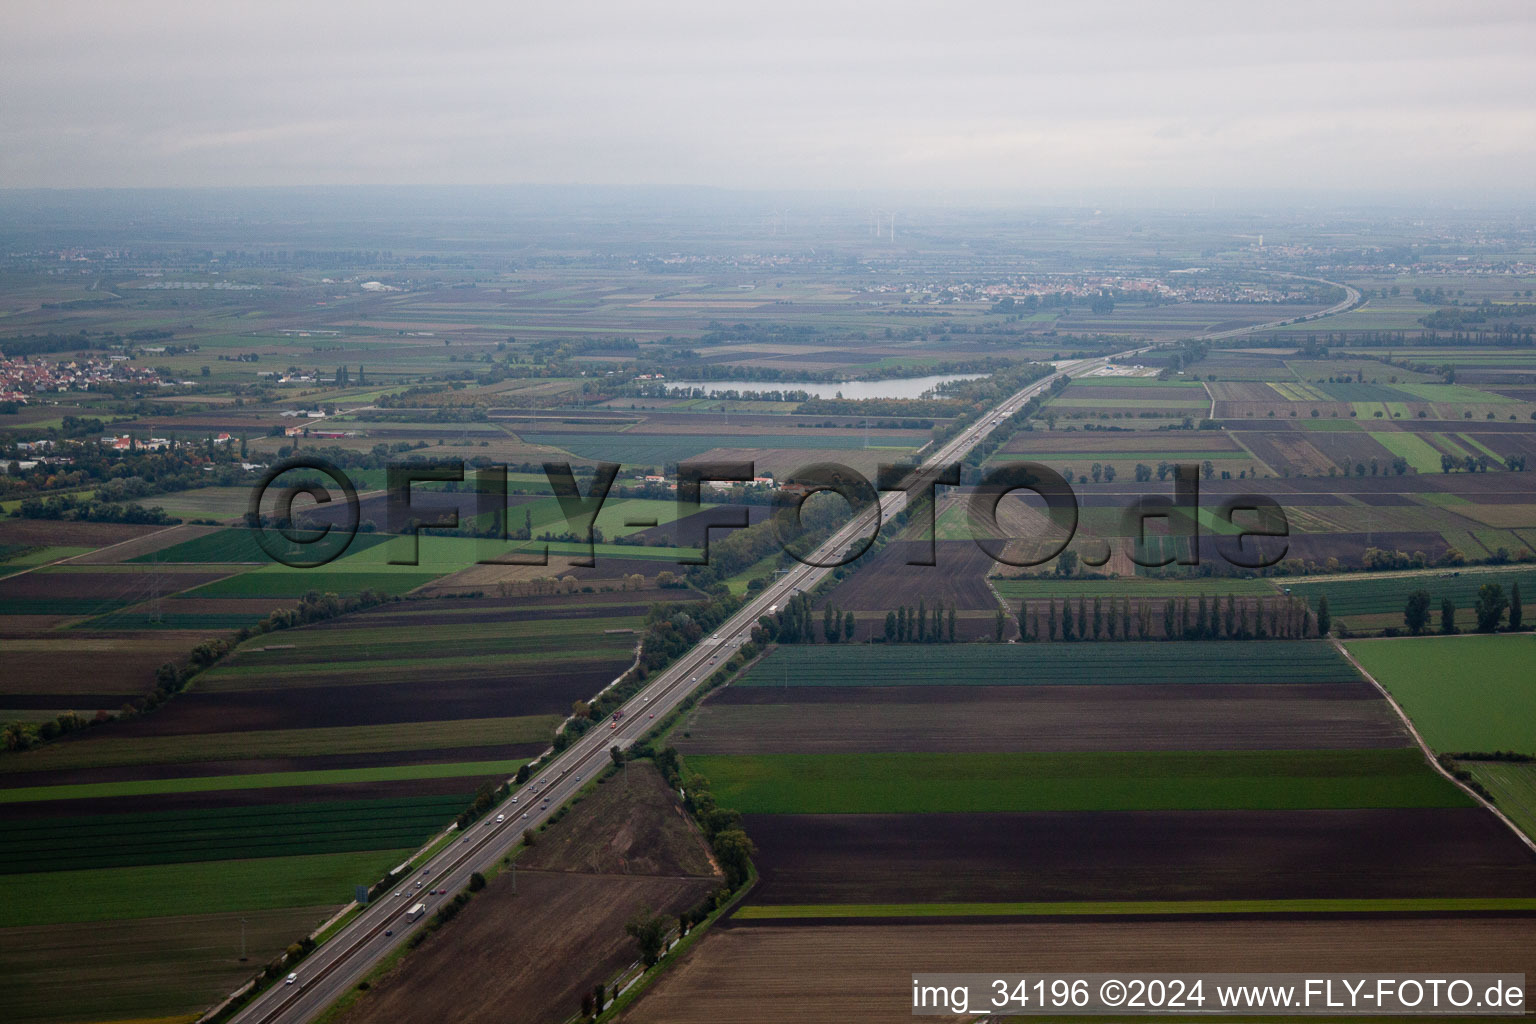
point(895, 387)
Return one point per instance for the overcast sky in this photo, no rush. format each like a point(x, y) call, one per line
point(1339, 94)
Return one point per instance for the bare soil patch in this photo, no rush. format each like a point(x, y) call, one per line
point(630, 825)
point(958, 578)
point(533, 952)
point(1137, 855)
point(46, 532)
point(1278, 717)
point(768, 975)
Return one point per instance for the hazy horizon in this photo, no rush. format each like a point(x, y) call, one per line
point(1413, 99)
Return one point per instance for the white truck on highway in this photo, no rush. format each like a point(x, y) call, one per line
point(416, 912)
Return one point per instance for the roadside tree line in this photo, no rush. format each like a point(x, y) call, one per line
point(1236, 618)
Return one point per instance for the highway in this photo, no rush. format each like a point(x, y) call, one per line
point(1350, 300)
point(343, 960)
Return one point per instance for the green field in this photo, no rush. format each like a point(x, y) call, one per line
point(1116, 781)
point(260, 780)
point(1129, 403)
point(221, 503)
point(144, 617)
point(107, 751)
point(166, 890)
point(1365, 595)
point(1120, 908)
point(236, 544)
point(1119, 458)
point(1419, 453)
point(1464, 693)
point(633, 450)
point(1513, 786)
point(1273, 661)
point(225, 833)
point(22, 557)
point(281, 582)
point(387, 645)
point(265, 675)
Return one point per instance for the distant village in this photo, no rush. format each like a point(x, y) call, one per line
point(21, 378)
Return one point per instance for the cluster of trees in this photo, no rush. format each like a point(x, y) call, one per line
point(88, 510)
point(122, 476)
point(721, 826)
point(1186, 354)
point(671, 629)
point(1491, 605)
point(820, 515)
point(1239, 618)
point(1469, 463)
point(984, 449)
point(920, 625)
point(836, 626)
point(791, 624)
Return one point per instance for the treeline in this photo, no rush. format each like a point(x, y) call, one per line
point(43, 344)
point(1185, 354)
point(87, 510)
point(918, 625)
point(988, 445)
point(1238, 618)
point(123, 476)
point(820, 515)
point(672, 628)
point(1490, 608)
point(979, 396)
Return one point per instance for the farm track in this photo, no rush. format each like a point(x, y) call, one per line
point(1429, 755)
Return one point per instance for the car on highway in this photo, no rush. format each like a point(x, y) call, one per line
point(388, 932)
point(399, 894)
point(500, 818)
point(291, 979)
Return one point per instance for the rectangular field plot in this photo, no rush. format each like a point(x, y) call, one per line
point(1276, 661)
point(818, 720)
point(1513, 786)
point(166, 890)
point(1101, 781)
point(1463, 853)
point(1464, 693)
point(140, 970)
point(1364, 595)
point(283, 582)
point(116, 750)
point(769, 973)
point(340, 778)
point(178, 837)
point(1420, 455)
point(235, 544)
